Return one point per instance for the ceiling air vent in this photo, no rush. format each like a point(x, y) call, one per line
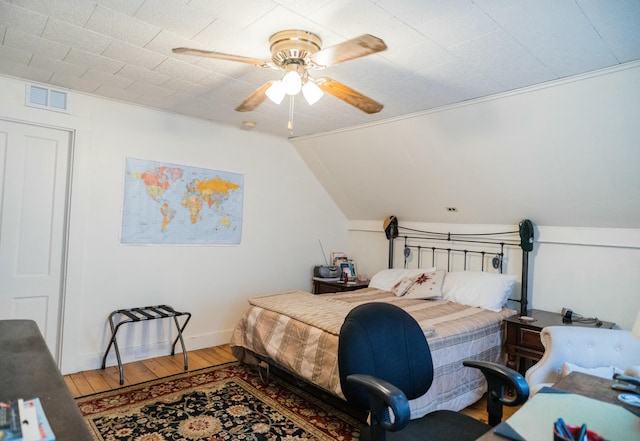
point(49, 99)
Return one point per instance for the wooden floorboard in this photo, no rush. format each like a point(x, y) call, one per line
point(102, 380)
point(75, 392)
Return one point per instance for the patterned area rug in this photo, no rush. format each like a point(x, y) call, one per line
point(228, 402)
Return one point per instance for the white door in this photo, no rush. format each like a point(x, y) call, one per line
point(34, 179)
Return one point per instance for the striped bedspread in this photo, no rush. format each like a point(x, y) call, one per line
point(299, 332)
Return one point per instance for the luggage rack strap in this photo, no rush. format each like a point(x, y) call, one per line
point(130, 315)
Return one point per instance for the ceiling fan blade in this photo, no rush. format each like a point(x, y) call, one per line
point(222, 56)
point(348, 95)
point(255, 99)
point(355, 48)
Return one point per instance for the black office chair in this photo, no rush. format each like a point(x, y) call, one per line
point(384, 361)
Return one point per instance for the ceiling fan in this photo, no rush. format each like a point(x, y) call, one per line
point(297, 52)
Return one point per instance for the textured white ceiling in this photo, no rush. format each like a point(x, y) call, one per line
point(439, 52)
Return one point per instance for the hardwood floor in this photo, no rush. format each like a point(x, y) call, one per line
point(101, 380)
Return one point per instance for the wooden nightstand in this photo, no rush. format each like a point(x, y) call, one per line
point(523, 337)
point(324, 287)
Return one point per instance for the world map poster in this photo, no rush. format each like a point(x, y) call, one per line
point(177, 204)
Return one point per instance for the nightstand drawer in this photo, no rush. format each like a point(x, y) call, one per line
point(530, 338)
point(324, 287)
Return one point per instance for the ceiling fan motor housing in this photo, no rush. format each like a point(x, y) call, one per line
point(293, 47)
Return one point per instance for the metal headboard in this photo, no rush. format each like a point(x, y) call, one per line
point(485, 247)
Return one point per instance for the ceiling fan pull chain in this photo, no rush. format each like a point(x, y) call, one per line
point(290, 125)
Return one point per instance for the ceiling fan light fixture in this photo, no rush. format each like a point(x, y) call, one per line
point(276, 92)
point(295, 52)
point(312, 93)
point(292, 83)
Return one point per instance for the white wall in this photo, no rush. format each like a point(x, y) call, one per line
point(593, 271)
point(286, 213)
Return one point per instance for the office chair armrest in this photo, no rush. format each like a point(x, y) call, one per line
point(384, 396)
point(500, 377)
point(499, 380)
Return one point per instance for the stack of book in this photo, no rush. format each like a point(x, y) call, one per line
point(24, 420)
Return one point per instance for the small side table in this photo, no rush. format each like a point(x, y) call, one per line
point(523, 337)
point(133, 315)
point(325, 287)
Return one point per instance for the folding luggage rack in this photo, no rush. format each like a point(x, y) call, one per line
point(131, 315)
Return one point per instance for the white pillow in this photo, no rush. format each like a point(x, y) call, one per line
point(387, 278)
point(602, 372)
point(484, 290)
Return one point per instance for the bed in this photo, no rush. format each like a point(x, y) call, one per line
point(459, 287)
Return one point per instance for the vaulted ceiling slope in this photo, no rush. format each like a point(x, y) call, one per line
point(439, 52)
point(564, 153)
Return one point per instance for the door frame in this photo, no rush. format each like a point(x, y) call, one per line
point(64, 263)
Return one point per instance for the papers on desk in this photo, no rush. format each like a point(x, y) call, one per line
point(534, 421)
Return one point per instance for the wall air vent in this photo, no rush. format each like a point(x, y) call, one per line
point(49, 99)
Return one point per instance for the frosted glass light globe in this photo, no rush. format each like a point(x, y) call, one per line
point(292, 83)
point(276, 92)
point(312, 93)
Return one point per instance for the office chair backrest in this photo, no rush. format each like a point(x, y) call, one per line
point(382, 340)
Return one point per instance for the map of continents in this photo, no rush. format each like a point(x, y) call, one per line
point(177, 204)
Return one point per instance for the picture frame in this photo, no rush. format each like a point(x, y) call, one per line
point(337, 257)
point(352, 268)
point(348, 267)
point(340, 260)
point(344, 269)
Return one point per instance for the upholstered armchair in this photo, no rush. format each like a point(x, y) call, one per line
point(595, 351)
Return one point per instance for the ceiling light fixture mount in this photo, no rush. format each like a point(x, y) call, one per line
point(293, 46)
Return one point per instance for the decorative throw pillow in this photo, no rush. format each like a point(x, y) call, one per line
point(402, 286)
point(427, 285)
point(473, 288)
point(632, 371)
point(387, 278)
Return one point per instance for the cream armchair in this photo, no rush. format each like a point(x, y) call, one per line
point(588, 348)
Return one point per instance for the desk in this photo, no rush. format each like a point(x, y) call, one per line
point(580, 384)
point(29, 371)
point(593, 387)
